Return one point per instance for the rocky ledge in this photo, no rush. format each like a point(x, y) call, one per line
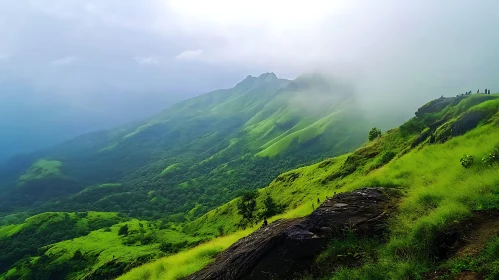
point(285, 247)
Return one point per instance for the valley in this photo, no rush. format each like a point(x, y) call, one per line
point(422, 161)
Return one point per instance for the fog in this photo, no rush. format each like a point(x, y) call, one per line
point(68, 67)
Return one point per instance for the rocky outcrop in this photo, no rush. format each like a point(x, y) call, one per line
point(437, 105)
point(285, 247)
point(467, 122)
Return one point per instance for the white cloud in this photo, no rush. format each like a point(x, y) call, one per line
point(65, 61)
point(190, 55)
point(147, 59)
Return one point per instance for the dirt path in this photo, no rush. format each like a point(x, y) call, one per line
point(485, 225)
point(473, 236)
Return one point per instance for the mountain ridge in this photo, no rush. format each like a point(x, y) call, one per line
point(225, 139)
point(422, 160)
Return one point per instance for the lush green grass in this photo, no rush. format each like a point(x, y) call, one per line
point(485, 263)
point(8, 230)
point(437, 190)
point(21, 242)
point(104, 252)
point(104, 246)
point(199, 151)
point(184, 263)
point(170, 168)
point(41, 169)
point(437, 193)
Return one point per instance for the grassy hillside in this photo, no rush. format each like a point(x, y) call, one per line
point(24, 239)
point(427, 158)
point(193, 157)
point(85, 245)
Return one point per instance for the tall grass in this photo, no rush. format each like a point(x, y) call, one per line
point(438, 192)
point(184, 263)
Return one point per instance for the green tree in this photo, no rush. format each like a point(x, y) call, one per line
point(271, 208)
point(374, 133)
point(123, 230)
point(246, 206)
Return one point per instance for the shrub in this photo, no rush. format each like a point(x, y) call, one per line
point(387, 157)
point(492, 157)
point(467, 161)
point(374, 133)
point(221, 231)
point(82, 215)
point(123, 230)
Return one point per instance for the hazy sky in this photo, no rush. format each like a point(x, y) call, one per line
point(186, 46)
point(132, 57)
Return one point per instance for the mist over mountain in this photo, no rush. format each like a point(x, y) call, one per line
point(29, 121)
point(231, 139)
point(33, 118)
point(79, 66)
point(186, 139)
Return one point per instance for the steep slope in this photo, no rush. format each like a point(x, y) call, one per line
point(278, 250)
point(428, 160)
point(200, 153)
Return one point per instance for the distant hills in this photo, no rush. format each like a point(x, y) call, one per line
point(32, 119)
point(194, 156)
point(441, 165)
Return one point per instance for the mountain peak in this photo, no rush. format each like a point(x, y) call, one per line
point(268, 76)
point(250, 81)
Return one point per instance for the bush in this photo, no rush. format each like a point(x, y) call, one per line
point(387, 157)
point(492, 157)
point(374, 133)
point(82, 215)
point(123, 230)
point(467, 161)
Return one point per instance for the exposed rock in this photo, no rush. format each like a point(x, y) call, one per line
point(285, 247)
point(467, 122)
point(435, 105)
point(421, 137)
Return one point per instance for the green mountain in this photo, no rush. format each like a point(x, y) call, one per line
point(443, 162)
point(193, 157)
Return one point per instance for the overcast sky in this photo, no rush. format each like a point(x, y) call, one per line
point(140, 55)
point(189, 46)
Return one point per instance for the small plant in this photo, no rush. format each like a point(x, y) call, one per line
point(467, 161)
point(493, 157)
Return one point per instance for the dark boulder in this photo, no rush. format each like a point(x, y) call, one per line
point(467, 122)
point(286, 247)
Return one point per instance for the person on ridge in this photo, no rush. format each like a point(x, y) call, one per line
point(265, 223)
